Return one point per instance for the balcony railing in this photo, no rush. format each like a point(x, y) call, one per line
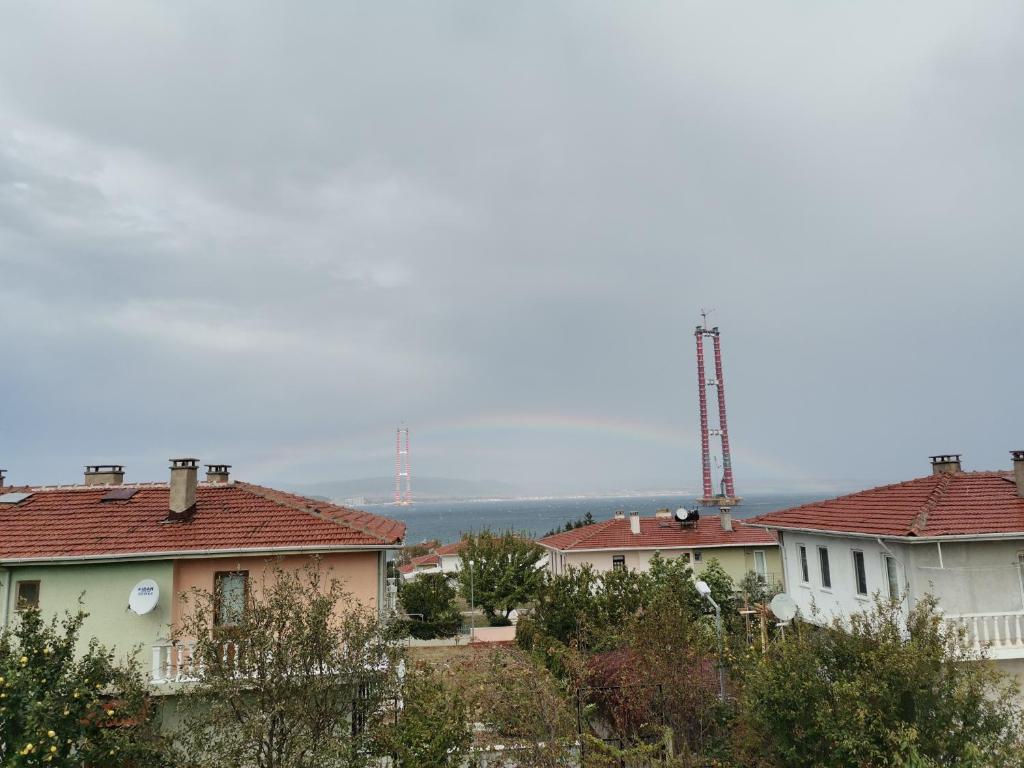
point(999, 634)
point(174, 662)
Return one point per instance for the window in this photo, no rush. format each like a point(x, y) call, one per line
point(892, 576)
point(826, 574)
point(859, 574)
point(697, 556)
point(230, 590)
point(760, 566)
point(28, 594)
point(805, 573)
point(619, 563)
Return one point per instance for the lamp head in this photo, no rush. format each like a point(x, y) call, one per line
point(703, 589)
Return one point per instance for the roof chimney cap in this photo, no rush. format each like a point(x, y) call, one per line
point(218, 473)
point(945, 463)
point(184, 463)
point(725, 517)
point(2, 473)
point(620, 514)
point(1018, 471)
point(104, 474)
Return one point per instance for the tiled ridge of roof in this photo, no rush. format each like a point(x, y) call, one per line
point(450, 549)
point(370, 524)
point(73, 523)
point(921, 519)
point(658, 533)
point(945, 504)
point(427, 559)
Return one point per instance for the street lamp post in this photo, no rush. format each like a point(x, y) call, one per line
point(705, 591)
point(472, 606)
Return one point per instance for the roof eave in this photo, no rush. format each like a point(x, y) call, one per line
point(654, 547)
point(194, 554)
point(894, 536)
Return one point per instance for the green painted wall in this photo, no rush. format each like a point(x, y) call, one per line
point(106, 587)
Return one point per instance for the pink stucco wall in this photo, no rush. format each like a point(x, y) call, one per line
point(358, 572)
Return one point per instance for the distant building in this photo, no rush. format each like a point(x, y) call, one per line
point(630, 541)
point(443, 559)
point(106, 539)
point(956, 535)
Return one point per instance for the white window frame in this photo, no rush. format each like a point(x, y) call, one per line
point(763, 572)
point(825, 568)
point(863, 570)
point(886, 559)
point(805, 567)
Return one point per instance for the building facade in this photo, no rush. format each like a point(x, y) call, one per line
point(629, 541)
point(957, 536)
point(92, 545)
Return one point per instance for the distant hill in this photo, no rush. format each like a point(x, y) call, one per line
point(368, 490)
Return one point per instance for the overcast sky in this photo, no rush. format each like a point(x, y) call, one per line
point(265, 234)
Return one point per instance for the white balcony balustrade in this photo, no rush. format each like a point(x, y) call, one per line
point(999, 634)
point(175, 662)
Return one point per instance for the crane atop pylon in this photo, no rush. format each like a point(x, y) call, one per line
point(726, 495)
point(403, 476)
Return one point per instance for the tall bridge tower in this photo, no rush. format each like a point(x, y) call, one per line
point(403, 477)
point(726, 491)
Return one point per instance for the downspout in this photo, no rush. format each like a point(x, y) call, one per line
point(7, 595)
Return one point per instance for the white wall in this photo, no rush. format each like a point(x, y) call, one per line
point(822, 604)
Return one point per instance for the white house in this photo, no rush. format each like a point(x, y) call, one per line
point(443, 559)
point(628, 542)
point(956, 535)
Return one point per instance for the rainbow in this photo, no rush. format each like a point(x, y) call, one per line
point(551, 421)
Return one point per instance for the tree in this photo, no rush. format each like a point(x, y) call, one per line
point(521, 706)
point(60, 708)
point(504, 573)
point(429, 600)
point(432, 729)
point(886, 688)
point(301, 680)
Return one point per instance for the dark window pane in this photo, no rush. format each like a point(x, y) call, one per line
point(826, 574)
point(892, 577)
point(805, 573)
point(28, 594)
point(859, 573)
point(619, 563)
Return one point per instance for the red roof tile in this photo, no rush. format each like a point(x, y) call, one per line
point(428, 560)
point(450, 549)
point(71, 522)
point(953, 504)
point(658, 533)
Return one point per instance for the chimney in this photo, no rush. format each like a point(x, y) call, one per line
point(218, 473)
point(634, 522)
point(104, 474)
point(183, 485)
point(1018, 471)
point(725, 516)
point(2, 472)
point(945, 463)
point(620, 514)
point(663, 514)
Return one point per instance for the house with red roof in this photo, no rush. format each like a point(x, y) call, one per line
point(630, 541)
point(953, 534)
point(131, 550)
point(443, 559)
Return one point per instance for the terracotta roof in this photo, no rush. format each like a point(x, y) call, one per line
point(416, 562)
point(658, 533)
point(953, 504)
point(72, 522)
point(450, 549)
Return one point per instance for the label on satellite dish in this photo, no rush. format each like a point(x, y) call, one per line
point(144, 596)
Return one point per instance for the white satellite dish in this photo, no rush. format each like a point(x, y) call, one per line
point(783, 607)
point(144, 596)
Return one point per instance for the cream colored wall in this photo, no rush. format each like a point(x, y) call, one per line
point(737, 561)
point(358, 571)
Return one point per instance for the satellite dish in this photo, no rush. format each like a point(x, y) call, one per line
point(513, 617)
point(783, 607)
point(144, 596)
